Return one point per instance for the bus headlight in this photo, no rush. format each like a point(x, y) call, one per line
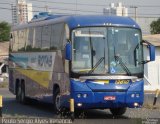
point(79, 95)
point(137, 95)
point(84, 95)
point(132, 95)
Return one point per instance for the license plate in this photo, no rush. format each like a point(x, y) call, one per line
point(109, 98)
point(122, 81)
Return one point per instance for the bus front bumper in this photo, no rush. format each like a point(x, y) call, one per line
point(85, 98)
point(115, 99)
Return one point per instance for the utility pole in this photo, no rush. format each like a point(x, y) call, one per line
point(135, 12)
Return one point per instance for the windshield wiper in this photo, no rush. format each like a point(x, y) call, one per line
point(96, 65)
point(118, 58)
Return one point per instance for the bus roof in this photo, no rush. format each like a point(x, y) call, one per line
point(96, 20)
point(83, 21)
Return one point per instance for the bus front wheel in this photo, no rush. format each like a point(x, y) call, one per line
point(56, 100)
point(118, 111)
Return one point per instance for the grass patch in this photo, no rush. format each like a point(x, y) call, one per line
point(150, 106)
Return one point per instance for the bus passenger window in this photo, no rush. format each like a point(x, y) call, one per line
point(38, 32)
point(21, 45)
point(46, 36)
point(15, 41)
point(30, 39)
point(57, 36)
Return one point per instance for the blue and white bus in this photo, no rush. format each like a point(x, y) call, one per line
point(79, 62)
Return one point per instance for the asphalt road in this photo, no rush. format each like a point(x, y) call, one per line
point(13, 109)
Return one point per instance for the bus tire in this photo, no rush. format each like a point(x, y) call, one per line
point(23, 97)
point(18, 92)
point(118, 111)
point(56, 100)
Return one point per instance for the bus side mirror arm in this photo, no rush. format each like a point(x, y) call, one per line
point(68, 51)
point(151, 52)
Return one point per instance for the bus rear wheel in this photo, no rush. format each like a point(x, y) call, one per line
point(23, 97)
point(118, 111)
point(18, 92)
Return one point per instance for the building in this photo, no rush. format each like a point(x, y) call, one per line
point(22, 12)
point(152, 69)
point(4, 47)
point(117, 10)
point(14, 14)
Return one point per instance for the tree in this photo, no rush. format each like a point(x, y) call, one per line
point(4, 31)
point(155, 27)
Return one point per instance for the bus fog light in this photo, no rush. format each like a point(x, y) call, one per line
point(132, 95)
point(136, 104)
point(79, 104)
point(85, 95)
point(137, 95)
point(79, 95)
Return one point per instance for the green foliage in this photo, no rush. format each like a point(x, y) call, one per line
point(155, 27)
point(4, 31)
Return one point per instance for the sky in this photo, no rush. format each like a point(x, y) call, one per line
point(5, 14)
point(146, 8)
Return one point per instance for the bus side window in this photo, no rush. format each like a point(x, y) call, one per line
point(46, 37)
point(38, 36)
point(30, 39)
point(21, 45)
point(15, 41)
point(57, 36)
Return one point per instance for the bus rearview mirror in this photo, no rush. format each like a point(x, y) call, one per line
point(68, 51)
point(152, 52)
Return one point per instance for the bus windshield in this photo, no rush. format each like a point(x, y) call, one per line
point(107, 50)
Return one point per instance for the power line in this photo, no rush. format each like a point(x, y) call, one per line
point(140, 15)
point(91, 11)
point(53, 8)
point(75, 9)
point(4, 3)
point(145, 6)
point(42, 1)
point(3, 8)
